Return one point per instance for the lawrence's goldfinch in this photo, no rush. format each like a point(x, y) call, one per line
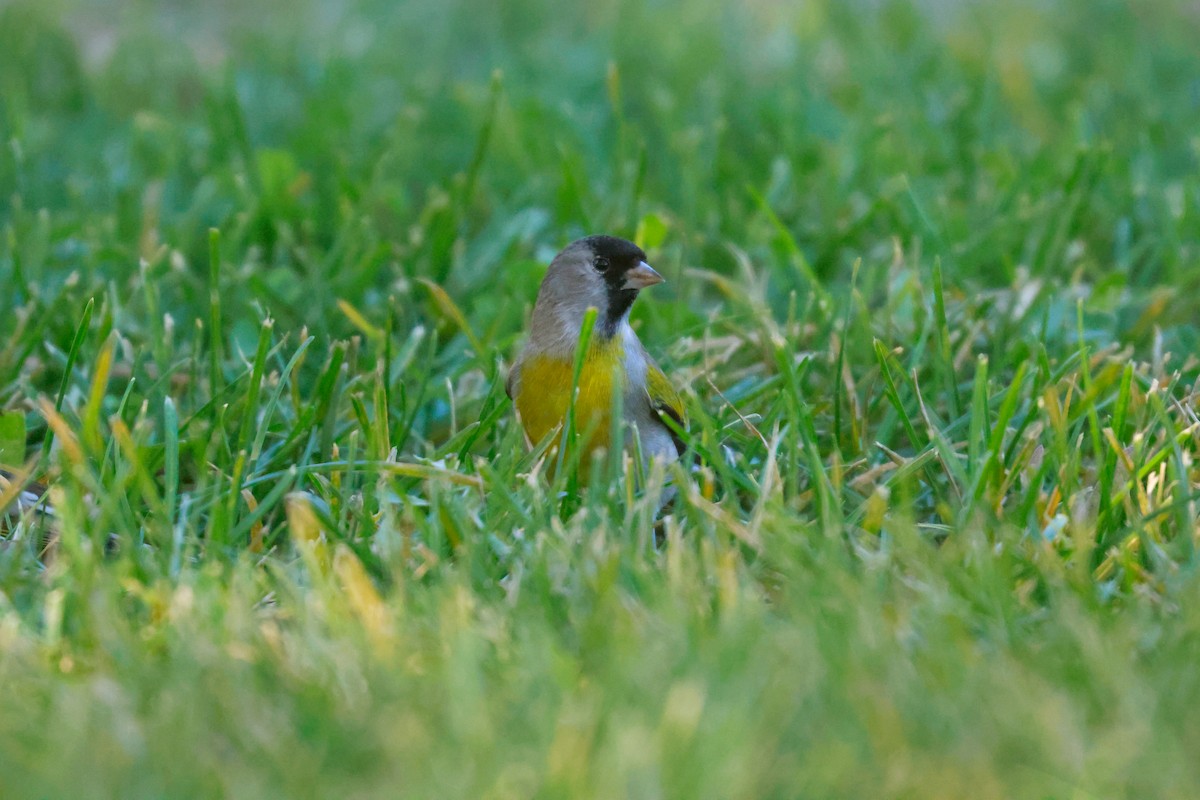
point(605, 273)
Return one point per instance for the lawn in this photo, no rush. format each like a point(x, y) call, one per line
point(932, 272)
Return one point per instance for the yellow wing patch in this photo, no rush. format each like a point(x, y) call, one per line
point(666, 402)
point(663, 396)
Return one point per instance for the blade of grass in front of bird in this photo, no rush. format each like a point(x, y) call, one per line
point(568, 440)
point(616, 434)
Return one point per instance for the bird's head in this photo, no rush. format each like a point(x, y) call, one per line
point(604, 272)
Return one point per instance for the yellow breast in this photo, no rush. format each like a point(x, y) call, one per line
point(544, 392)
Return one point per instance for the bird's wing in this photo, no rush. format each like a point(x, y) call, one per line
point(665, 401)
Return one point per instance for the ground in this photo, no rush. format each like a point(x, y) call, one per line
point(930, 272)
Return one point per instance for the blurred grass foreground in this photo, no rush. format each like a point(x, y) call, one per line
point(932, 271)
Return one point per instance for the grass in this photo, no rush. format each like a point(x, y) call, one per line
point(929, 270)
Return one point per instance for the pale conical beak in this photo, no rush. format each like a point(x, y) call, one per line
point(641, 276)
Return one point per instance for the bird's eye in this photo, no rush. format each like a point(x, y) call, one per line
point(600, 263)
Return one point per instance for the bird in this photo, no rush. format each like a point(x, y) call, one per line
point(606, 273)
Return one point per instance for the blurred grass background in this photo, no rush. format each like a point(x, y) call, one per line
point(929, 277)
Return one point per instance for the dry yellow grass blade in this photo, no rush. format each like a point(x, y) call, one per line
point(362, 597)
point(308, 533)
point(451, 310)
